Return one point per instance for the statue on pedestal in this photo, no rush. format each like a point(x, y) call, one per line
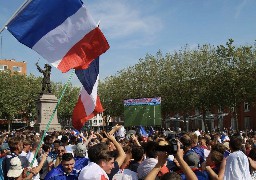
point(46, 82)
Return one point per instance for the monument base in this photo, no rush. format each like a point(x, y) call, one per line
point(46, 105)
point(53, 127)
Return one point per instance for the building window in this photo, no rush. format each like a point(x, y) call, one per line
point(246, 107)
point(16, 68)
point(3, 67)
point(100, 121)
point(94, 121)
point(247, 122)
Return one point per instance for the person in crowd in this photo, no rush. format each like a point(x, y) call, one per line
point(80, 155)
point(252, 161)
point(31, 158)
point(151, 160)
point(202, 153)
point(65, 170)
point(162, 156)
point(48, 164)
point(54, 151)
point(214, 166)
point(17, 172)
point(203, 143)
point(16, 146)
point(191, 158)
point(188, 151)
point(138, 157)
point(65, 143)
point(101, 163)
point(120, 153)
point(237, 164)
point(48, 140)
point(61, 151)
point(26, 147)
point(4, 149)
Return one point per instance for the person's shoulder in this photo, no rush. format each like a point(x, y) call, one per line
point(54, 172)
point(81, 162)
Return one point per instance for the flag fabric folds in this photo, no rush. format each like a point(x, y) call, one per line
point(62, 32)
point(88, 104)
point(143, 132)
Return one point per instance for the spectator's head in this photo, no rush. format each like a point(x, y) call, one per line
point(100, 155)
point(171, 176)
point(194, 139)
point(64, 140)
point(150, 149)
point(192, 159)
point(214, 158)
point(16, 145)
point(56, 145)
point(4, 148)
point(61, 151)
point(236, 143)
point(46, 148)
point(137, 153)
point(80, 150)
point(202, 141)
point(219, 147)
point(73, 140)
point(27, 145)
point(48, 139)
point(186, 141)
point(35, 145)
point(68, 162)
point(252, 154)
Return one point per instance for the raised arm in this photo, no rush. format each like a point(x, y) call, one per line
point(39, 69)
point(162, 157)
point(121, 154)
point(190, 175)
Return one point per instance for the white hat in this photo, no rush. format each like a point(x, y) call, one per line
point(15, 168)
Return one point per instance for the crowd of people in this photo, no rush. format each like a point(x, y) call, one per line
point(128, 155)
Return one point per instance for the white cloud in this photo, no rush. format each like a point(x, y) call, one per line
point(120, 19)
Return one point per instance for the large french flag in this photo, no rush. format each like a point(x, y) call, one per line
point(88, 104)
point(61, 31)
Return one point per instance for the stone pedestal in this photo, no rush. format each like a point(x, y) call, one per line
point(45, 106)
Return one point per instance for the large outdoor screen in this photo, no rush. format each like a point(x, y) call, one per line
point(144, 111)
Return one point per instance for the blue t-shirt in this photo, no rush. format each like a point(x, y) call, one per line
point(201, 175)
point(59, 174)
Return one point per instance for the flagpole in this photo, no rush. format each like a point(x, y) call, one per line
point(25, 3)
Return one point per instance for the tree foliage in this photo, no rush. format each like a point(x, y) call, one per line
point(20, 93)
point(202, 78)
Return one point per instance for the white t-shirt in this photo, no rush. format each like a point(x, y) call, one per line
point(92, 172)
point(237, 167)
point(30, 157)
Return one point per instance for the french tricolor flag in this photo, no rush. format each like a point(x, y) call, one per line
point(88, 104)
point(61, 31)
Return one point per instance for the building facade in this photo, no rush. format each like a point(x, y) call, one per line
point(13, 66)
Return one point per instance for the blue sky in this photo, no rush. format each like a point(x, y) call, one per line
point(134, 28)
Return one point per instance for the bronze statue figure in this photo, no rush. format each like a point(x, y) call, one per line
point(46, 82)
